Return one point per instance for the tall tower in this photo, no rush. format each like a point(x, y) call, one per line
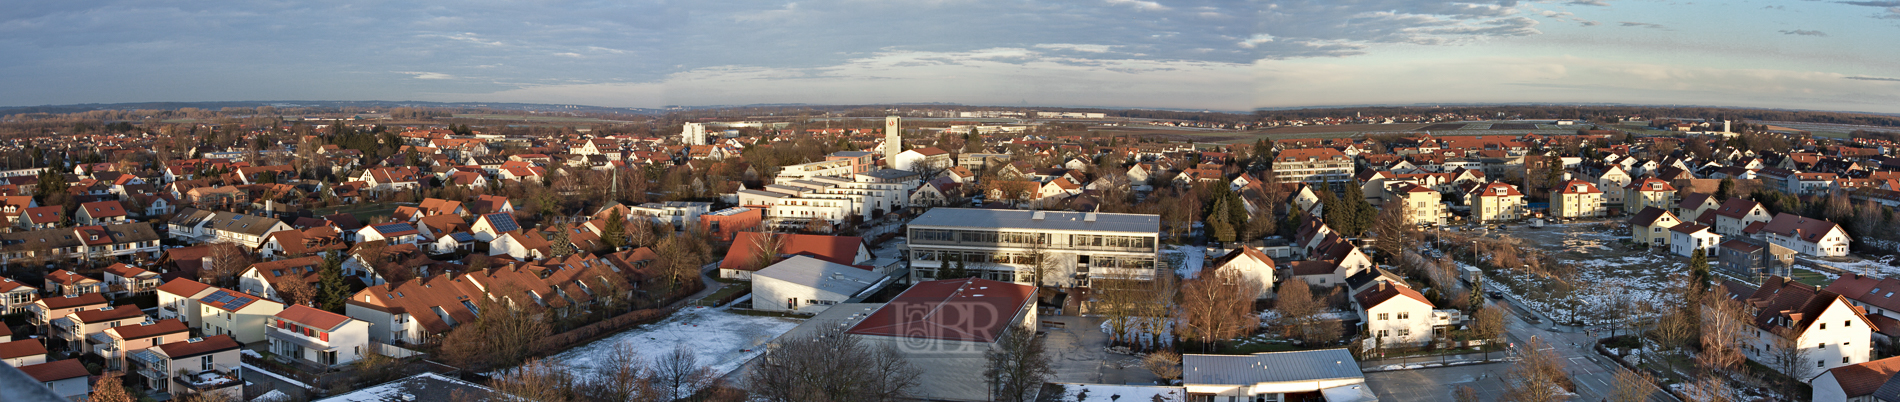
point(893, 143)
point(693, 134)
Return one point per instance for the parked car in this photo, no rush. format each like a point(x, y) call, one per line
point(1495, 295)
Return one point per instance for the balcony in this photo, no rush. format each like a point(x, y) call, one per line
point(207, 381)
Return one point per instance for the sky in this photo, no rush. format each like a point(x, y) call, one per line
point(1193, 54)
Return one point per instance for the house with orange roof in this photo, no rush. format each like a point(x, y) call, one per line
point(124, 340)
point(67, 282)
point(1857, 382)
point(127, 280)
point(1577, 199)
point(1395, 315)
point(1495, 202)
point(1648, 192)
point(310, 336)
point(178, 299)
point(16, 296)
point(1785, 314)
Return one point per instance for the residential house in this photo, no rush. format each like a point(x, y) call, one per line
point(1427, 206)
point(1693, 205)
point(1816, 237)
point(1783, 313)
point(16, 296)
point(301, 243)
point(1395, 316)
point(1651, 226)
point(21, 353)
point(1687, 238)
point(67, 378)
point(66, 282)
point(392, 233)
point(1577, 199)
point(123, 341)
point(1250, 264)
point(1496, 202)
point(311, 336)
point(200, 226)
point(234, 313)
point(178, 299)
point(46, 217)
point(927, 159)
point(487, 227)
point(1854, 383)
point(101, 213)
point(45, 310)
point(1648, 192)
point(1736, 215)
point(265, 278)
point(127, 280)
point(208, 365)
point(81, 329)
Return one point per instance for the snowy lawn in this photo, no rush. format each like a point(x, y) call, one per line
point(1613, 284)
point(1187, 260)
point(722, 340)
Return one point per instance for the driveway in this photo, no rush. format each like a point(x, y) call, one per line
point(1079, 350)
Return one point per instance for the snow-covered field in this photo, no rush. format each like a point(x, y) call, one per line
point(1606, 290)
point(722, 341)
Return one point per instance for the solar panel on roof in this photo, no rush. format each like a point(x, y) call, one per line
point(502, 222)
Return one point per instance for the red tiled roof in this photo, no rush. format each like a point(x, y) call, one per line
point(70, 301)
point(55, 371)
point(210, 344)
point(1862, 379)
point(108, 314)
point(1386, 291)
point(183, 287)
point(970, 310)
point(313, 317)
point(834, 249)
point(155, 328)
point(21, 348)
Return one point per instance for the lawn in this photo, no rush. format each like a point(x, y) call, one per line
point(720, 340)
point(1613, 283)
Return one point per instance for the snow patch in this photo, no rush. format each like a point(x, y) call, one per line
point(721, 340)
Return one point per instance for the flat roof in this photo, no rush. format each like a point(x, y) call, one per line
point(1271, 367)
point(889, 173)
point(820, 274)
point(1050, 220)
point(969, 310)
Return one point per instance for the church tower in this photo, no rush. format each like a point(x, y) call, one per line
point(893, 143)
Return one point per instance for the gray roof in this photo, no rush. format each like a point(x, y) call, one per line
point(425, 387)
point(1306, 365)
point(1051, 220)
point(820, 274)
point(889, 173)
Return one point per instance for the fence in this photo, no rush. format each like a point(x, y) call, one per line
point(392, 350)
point(610, 325)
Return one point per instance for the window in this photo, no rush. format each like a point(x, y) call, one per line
point(205, 362)
point(1850, 323)
point(1384, 316)
point(1405, 332)
point(1820, 363)
point(1405, 316)
point(1822, 345)
point(1824, 325)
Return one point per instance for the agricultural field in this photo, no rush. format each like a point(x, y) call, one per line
point(1822, 129)
point(536, 119)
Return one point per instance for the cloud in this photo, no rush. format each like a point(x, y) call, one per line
point(1589, 23)
point(1599, 3)
point(1803, 32)
point(1075, 47)
point(1140, 4)
point(1644, 25)
point(1872, 78)
point(1891, 8)
point(424, 75)
point(1256, 40)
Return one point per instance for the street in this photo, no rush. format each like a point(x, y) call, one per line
point(1594, 374)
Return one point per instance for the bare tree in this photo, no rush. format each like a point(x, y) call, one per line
point(1632, 386)
point(227, 261)
point(1118, 300)
point(767, 246)
point(1217, 306)
point(297, 291)
point(833, 366)
point(110, 389)
point(1723, 327)
point(1017, 366)
point(1488, 325)
point(537, 381)
point(1300, 314)
point(501, 335)
point(1164, 364)
point(679, 374)
point(1466, 394)
point(1709, 388)
point(1397, 234)
point(1539, 377)
point(1790, 359)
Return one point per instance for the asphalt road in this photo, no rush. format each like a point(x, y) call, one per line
point(1594, 374)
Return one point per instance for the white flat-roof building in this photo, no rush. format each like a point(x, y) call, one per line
point(832, 199)
point(1003, 244)
point(803, 284)
point(1270, 376)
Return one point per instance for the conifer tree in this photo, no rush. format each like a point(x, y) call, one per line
point(559, 244)
point(330, 275)
point(615, 234)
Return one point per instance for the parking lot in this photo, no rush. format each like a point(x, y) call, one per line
point(1439, 384)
